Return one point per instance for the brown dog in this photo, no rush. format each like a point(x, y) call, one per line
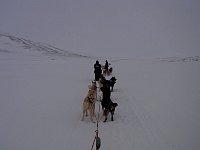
point(89, 104)
point(93, 86)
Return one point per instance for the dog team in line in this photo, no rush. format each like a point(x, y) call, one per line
point(105, 88)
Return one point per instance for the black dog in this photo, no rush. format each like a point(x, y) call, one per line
point(112, 82)
point(109, 108)
point(106, 95)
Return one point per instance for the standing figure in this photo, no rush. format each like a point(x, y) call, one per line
point(105, 68)
point(97, 70)
point(106, 65)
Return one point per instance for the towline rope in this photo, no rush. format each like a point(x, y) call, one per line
point(97, 138)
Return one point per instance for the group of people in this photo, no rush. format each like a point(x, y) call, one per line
point(106, 87)
point(98, 69)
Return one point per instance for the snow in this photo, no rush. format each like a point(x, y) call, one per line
point(41, 103)
point(47, 52)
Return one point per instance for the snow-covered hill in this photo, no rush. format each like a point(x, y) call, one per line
point(18, 45)
point(13, 44)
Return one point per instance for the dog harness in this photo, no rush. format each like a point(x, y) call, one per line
point(91, 100)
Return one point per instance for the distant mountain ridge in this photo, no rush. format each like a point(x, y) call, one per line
point(8, 42)
point(179, 59)
point(13, 44)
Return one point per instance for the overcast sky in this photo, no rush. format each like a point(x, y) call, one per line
point(127, 27)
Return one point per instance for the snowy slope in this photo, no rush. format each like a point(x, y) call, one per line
point(41, 98)
point(17, 45)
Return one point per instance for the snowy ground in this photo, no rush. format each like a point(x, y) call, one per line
point(41, 104)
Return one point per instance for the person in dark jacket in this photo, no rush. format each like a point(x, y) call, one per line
point(97, 70)
point(106, 66)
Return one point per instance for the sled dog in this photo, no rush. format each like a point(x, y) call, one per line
point(112, 82)
point(89, 104)
point(93, 86)
point(107, 72)
point(110, 108)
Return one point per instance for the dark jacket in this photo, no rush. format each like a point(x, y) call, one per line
point(106, 65)
point(97, 68)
